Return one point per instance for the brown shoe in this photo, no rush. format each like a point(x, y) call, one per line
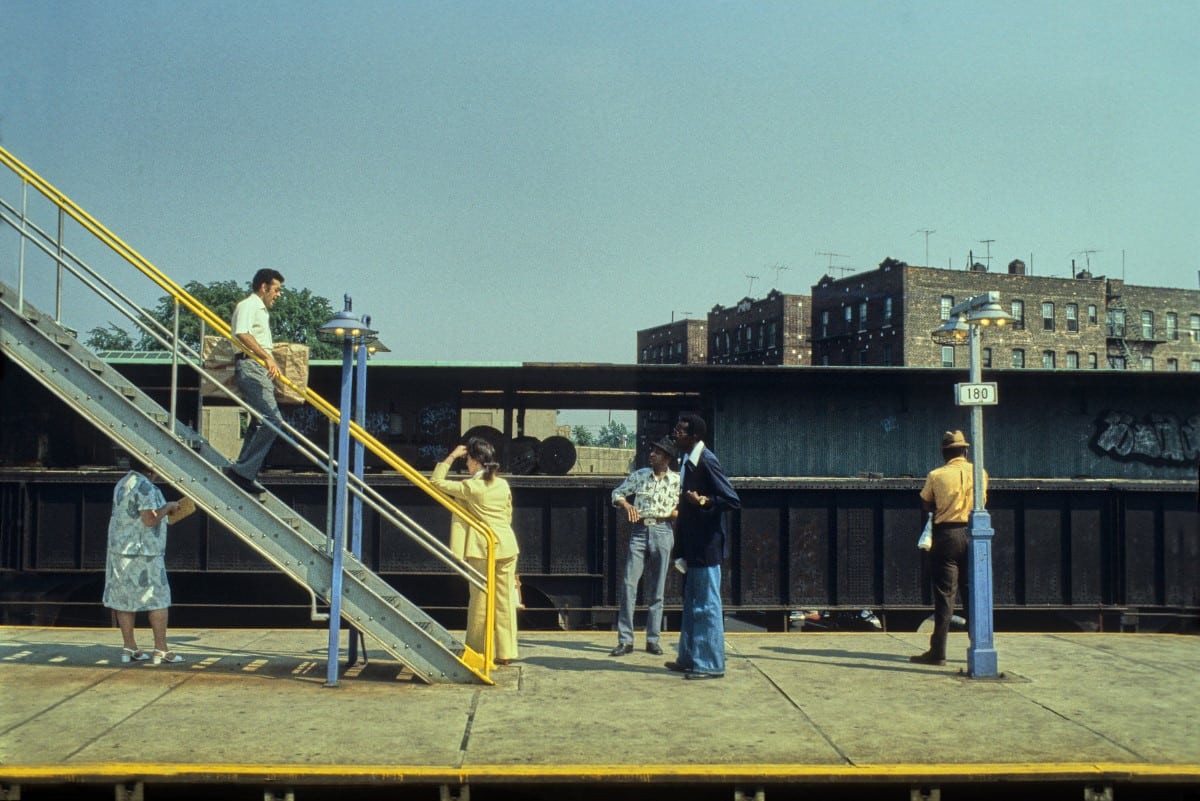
point(927, 658)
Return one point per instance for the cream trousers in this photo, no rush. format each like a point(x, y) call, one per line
point(506, 609)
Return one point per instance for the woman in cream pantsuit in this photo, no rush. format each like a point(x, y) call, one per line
point(489, 498)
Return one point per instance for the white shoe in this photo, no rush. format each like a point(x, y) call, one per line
point(165, 656)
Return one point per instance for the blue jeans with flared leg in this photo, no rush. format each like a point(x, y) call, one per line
point(702, 631)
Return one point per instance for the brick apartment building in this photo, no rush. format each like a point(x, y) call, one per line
point(771, 330)
point(885, 318)
point(677, 342)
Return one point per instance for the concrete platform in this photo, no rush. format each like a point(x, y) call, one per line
point(843, 711)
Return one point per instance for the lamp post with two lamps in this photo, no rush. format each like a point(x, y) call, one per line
point(967, 320)
point(351, 332)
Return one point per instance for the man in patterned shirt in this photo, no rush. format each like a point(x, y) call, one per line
point(655, 491)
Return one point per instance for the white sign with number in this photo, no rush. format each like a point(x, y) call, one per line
point(975, 394)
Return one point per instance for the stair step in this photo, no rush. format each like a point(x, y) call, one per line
point(95, 365)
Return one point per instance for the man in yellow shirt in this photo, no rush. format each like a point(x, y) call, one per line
point(949, 494)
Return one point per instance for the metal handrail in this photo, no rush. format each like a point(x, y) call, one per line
point(182, 297)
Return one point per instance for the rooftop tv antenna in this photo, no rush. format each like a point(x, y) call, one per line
point(927, 232)
point(1087, 257)
point(686, 314)
point(753, 278)
point(779, 268)
point(988, 257)
point(831, 256)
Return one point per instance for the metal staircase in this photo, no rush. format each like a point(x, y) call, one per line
point(183, 458)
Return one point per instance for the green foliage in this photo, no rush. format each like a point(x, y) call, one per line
point(582, 436)
point(295, 317)
point(614, 435)
point(110, 337)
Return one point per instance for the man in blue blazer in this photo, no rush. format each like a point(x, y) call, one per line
point(701, 536)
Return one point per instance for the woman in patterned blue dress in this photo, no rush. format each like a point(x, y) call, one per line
point(135, 578)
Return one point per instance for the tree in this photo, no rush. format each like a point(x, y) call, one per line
point(295, 317)
point(582, 436)
point(614, 435)
point(110, 337)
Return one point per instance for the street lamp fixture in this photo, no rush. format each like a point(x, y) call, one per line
point(967, 321)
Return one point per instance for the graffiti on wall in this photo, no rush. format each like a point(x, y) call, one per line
point(1157, 437)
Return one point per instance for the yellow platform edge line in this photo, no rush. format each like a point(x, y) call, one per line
point(211, 772)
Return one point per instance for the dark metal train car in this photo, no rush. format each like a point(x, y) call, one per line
point(1093, 494)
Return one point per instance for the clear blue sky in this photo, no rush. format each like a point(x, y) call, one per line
point(534, 181)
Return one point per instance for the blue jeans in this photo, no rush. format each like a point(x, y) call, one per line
point(702, 631)
point(649, 548)
point(258, 392)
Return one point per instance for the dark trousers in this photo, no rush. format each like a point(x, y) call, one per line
point(948, 566)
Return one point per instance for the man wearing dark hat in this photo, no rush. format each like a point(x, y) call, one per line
point(949, 494)
point(655, 491)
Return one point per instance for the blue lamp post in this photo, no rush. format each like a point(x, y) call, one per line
point(968, 319)
point(350, 332)
point(363, 351)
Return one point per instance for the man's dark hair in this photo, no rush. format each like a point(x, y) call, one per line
point(265, 276)
point(695, 424)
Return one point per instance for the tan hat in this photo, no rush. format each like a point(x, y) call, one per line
point(954, 439)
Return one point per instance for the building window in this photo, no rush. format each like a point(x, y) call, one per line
point(825, 323)
point(1116, 323)
point(645, 355)
point(862, 357)
point(1116, 362)
point(1172, 365)
point(773, 335)
point(1196, 365)
point(887, 310)
point(1172, 325)
point(1092, 364)
point(1048, 359)
point(1047, 316)
point(1147, 324)
point(1194, 325)
point(1018, 357)
point(1147, 362)
point(1092, 314)
point(946, 305)
point(862, 316)
point(947, 356)
point(1072, 318)
point(987, 358)
point(849, 311)
point(887, 355)
point(1017, 310)
point(1072, 360)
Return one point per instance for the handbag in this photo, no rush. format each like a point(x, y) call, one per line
point(925, 541)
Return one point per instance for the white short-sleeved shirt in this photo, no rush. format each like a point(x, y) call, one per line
point(251, 317)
